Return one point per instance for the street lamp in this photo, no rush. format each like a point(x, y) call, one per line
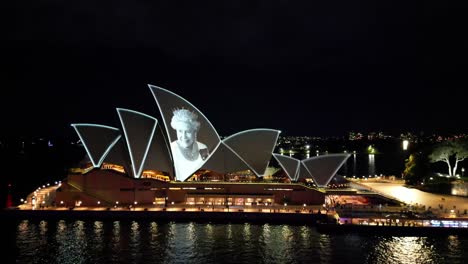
point(463, 172)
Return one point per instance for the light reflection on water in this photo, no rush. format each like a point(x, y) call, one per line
point(406, 250)
point(151, 242)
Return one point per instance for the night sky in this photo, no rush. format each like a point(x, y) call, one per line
point(312, 68)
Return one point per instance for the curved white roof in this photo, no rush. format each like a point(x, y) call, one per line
point(303, 173)
point(224, 160)
point(97, 140)
point(139, 130)
point(119, 154)
point(289, 164)
point(149, 146)
point(254, 146)
point(167, 102)
point(323, 168)
point(159, 155)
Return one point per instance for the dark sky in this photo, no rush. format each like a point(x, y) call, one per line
point(304, 67)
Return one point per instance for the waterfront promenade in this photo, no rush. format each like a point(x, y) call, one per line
point(43, 199)
point(377, 218)
point(440, 204)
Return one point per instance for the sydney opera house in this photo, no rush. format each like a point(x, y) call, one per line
point(177, 157)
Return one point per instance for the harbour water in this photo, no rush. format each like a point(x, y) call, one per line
point(90, 241)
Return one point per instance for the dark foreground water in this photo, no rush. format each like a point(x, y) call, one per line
point(152, 242)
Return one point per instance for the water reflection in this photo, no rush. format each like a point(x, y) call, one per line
point(287, 244)
point(69, 244)
point(371, 165)
point(43, 228)
point(153, 238)
point(191, 232)
point(209, 232)
point(305, 235)
point(286, 232)
point(98, 236)
point(246, 232)
point(134, 246)
point(354, 163)
point(325, 249)
point(115, 241)
point(229, 231)
point(405, 250)
point(151, 242)
point(453, 246)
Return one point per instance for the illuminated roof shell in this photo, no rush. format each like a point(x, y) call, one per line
point(254, 147)
point(97, 140)
point(148, 146)
point(225, 160)
point(207, 135)
point(290, 165)
point(139, 130)
point(323, 168)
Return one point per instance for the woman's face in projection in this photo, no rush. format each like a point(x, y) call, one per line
point(185, 134)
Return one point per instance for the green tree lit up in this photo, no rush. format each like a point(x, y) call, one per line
point(371, 150)
point(416, 168)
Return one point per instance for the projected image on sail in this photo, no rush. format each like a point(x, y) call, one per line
point(193, 138)
point(188, 152)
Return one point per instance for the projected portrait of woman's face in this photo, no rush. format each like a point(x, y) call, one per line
point(189, 154)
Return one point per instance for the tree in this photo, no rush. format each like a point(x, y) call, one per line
point(450, 152)
point(410, 166)
point(416, 168)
